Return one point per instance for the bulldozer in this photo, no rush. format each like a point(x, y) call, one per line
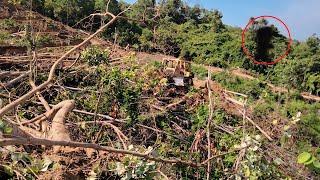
point(178, 72)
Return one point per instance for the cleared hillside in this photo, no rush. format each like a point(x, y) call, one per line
point(75, 106)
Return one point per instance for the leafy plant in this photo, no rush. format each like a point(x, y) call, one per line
point(44, 40)
point(132, 167)
point(8, 24)
point(4, 37)
point(5, 128)
point(95, 56)
point(200, 117)
point(199, 71)
point(25, 164)
point(308, 159)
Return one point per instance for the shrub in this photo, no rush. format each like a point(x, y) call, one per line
point(200, 117)
point(263, 109)
point(117, 93)
point(43, 41)
point(8, 24)
point(200, 71)
point(252, 88)
point(95, 55)
point(3, 37)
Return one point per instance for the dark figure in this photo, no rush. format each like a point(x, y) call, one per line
point(263, 38)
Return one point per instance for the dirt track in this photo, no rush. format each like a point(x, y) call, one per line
point(145, 57)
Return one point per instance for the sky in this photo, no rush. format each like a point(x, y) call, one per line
point(301, 16)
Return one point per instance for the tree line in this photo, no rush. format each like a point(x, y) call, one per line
point(193, 33)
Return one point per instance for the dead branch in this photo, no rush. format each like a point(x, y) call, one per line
point(236, 93)
point(5, 74)
point(310, 97)
point(33, 85)
point(74, 89)
point(40, 97)
point(58, 113)
point(100, 115)
point(47, 142)
point(176, 103)
point(222, 154)
point(258, 127)
point(111, 119)
point(138, 124)
point(246, 117)
point(41, 117)
point(15, 80)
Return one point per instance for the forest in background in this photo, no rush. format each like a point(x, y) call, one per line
point(174, 28)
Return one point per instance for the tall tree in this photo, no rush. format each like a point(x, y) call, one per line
point(217, 21)
point(313, 43)
point(144, 10)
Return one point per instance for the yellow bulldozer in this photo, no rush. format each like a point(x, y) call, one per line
point(178, 72)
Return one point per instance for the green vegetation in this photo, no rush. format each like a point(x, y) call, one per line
point(146, 115)
point(3, 37)
point(9, 24)
point(200, 71)
point(43, 41)
point(196, 34)
point(95, 56)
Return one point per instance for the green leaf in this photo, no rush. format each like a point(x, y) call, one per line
point(310, 161)
point(45, 164)
point(316, 164)
point(8, 130)
point(15, 157)
point(304, 157)
point(2, 124)
point(8, 170)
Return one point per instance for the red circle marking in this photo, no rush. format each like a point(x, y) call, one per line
point(246, 51)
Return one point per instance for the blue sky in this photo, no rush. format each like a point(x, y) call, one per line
point(302, 16)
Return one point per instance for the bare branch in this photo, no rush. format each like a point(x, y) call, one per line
point(47, 142)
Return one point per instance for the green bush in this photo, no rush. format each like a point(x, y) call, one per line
point(44, 40)
point(118, 92)
point(252, 88)
point(8, 24)
point(200, 117)
point(199, 71)
point(263, 109)
point(95, 56)
point(4, 37)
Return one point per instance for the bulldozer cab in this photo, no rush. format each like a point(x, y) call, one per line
point(177, 67)
point(178, 71)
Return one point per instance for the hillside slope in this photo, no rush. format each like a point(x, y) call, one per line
point(110, 112)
